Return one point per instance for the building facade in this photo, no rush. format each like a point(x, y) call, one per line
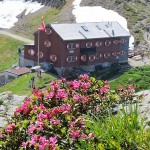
point(83, 45)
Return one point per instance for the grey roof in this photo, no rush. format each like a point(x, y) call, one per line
point(92, 30)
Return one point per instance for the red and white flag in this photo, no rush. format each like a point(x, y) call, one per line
point(42, 27)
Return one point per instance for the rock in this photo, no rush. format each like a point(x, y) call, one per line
point(3, 122)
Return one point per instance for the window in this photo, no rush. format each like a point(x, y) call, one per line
point(106, 55)
point(89, 44)
point(71, 58)
point(98, 44)
point(114, 53)
point(98, 56)
point(47, 43)
point(83, 58)
point(91, 58)
point(72, 45)
point(31, 52)
point(48, 31)
point(71, 51)
point(122, 53)
point(53, 58)
point(107, 43)
point(122, 41)
point(40, 55)
point(116, 41)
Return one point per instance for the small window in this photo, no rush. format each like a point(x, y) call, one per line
point(53, 58)
point(98, 44)
point(116, 41)
point(98, 56)
point(47, 43)
point(41, 55)
point(107, 43)
point(114, 54)
point(91, 58)
point(122, 53)
point(89, 44)
point(72, 46)
point(48, 31)
point(106, 55)
point(123, 41)
point(83, 58)
point(71, 58)
point(31, 52)
point(71, 51)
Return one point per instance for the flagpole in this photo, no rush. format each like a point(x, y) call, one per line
point(38, 45)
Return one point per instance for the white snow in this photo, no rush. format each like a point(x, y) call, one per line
point(98, 14)
point(10, 9)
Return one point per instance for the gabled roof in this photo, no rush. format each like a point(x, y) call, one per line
point(92, 30)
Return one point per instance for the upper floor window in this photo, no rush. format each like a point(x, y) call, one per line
point(89, 44)
point(53, 58)
point(116, 41)
point(48, 31)
point(71, 58)
point(47, 43)
point(107, 43)
point(98, 44)
point(83, 58)
point(72, 45)
point(31, 52)
point(114, 53)
point(122, 41)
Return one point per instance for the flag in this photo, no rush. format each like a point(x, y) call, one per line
point(42, 27)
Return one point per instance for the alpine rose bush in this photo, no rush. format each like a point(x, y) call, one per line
point(52, 119)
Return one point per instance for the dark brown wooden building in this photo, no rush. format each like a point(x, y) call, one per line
point(83, 45)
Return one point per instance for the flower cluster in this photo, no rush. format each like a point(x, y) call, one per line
point(53, 118)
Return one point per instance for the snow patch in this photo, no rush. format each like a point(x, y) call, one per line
point(10, 9)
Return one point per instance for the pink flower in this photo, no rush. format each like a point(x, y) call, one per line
point(75, 134)
point(42, 146)
point(84, 99)
point(31, 128)
point(85, 86)
point(43, 140)
point(32, 143)
point(131, 88)
point(24, 144)
point(10, 128)
point(63, 80)
point(75, 84)
point(50, 95)
point(103, 90)
point(76, 98)
point(84, 136)
point(91, 135)
point(53, 139)
point(61, 93)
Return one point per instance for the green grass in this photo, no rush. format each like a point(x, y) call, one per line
point(124, 131)
point(20, 86)
point(138, 76)
point(35, 21)
point(8, 52)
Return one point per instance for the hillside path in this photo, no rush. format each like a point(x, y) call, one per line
point(27, 41)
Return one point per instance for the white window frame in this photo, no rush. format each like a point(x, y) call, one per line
point(31, 52)
point(71, 59)
point(106, 55)
point(88, 44)
point(83, 58)
point(98, 56)
point(98, 44)
point(48, 31)
point(72, 46)
point(107, 43)
point(47, 43)
point(116, 42)
point(53, 58)
point(91, 57)
point(41, 55)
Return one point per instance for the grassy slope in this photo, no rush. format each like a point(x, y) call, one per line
point(8, 52)
point(20, 86)
point(138, 76)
